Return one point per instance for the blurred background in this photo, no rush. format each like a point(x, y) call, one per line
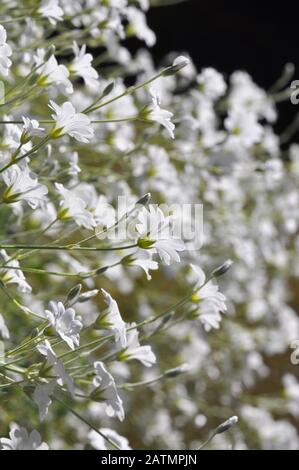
point(259, 37)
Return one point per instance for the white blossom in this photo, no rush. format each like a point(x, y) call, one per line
point(51, 10)
point(31, 128)
point(13, 276)
point(105, 383)
point(68, 121)
point(156, 234)
point(143, 354)
point(113, 320)
point(62, 377)
point(73, 207)
point(65, 322)
point(5, 53)
point(211, 302)
point(42, 397)
point(22, 185)
point(3, 328)
point(157, 114)
point(138, 26)
point(81, 66)
point(211, 83)
point(20, 439)
point(51, 73)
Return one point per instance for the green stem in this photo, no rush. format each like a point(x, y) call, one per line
point(65, 405)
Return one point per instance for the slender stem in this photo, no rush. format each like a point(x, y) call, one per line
point(87, 422)
point(66, 247)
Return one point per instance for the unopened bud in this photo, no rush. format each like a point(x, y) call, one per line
point(144, 200)
point(227, 425)
point(108, 89)
point(73, 295)
point(222, 269)
point(179, 63)
point(50, 51)
point(102, 270)
point(145, 243)
point(170, 373)
point(87, 295)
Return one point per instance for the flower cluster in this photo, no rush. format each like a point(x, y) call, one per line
point(108, 312)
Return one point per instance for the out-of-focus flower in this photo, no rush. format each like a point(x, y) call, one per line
point(112, 319)
point(99, 443)
point(5, 53)
point(105, 385)
point(13, 276)
point(20, 439)
point(51, 10)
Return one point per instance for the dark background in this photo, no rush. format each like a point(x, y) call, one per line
point(259, 37)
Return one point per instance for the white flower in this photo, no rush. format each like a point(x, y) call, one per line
point(156, 234)
point(212, 84)
point(52, 73)
point(31, 128)
point(81, 66)
point(65, 323)
point(62, 377)
point(22, 185)
point(144, 261)
point(51, 10)
point(159, 115)
point(21, 440)
point(3, 328)
point(68, 121)
point(42, 397)
point(144, 354)
point(138, 26)
point(210, 301)
point(5, 53)
point(13, 276)
point(244, 129)
point(113, 320)
point(73, 207)
point(99, 443)
point(106, 385)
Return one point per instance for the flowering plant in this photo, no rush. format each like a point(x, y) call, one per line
point(90, 315)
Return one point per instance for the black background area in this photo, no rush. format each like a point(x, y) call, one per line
point(257, 36)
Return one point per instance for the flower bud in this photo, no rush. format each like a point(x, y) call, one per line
point(50, 51)
point(144, 200)
point(108, 89)
point(179, 63)
point(73, 295)
point(87, 295)
point(226, 425)
point(145, 243)
point(171, 373)
point(222, 269)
